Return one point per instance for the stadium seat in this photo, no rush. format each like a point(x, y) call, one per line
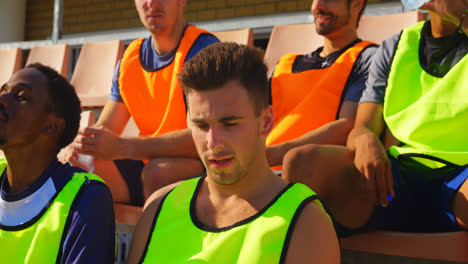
point(10, 62)
point(241, 36)
point(54, 56)
point(92, 77)
point(378, 28)
point(284, 39)
point(302, 38)
point(451, 247)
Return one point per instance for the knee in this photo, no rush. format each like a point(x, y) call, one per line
point(298, 161)
point(153, 174)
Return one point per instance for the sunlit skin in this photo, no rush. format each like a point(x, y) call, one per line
point(330, 15)
point(164, 19)
point(227, 132)
point(25, 93)
point(159, 15)
point(28, 131)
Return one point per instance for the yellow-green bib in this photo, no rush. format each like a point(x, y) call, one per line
point(427, 113)
point(40, 239)
point(177, 237)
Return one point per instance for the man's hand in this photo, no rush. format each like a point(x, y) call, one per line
point(70, 154)
point(371, 160)
point(99, 142)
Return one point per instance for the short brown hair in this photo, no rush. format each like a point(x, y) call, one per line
point(219, 63)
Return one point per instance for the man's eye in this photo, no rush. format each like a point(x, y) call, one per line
point(202, 126)
point(21, 98)
point(230, 124)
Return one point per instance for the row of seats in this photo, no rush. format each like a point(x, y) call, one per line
point(93, 72)
point(92, 80)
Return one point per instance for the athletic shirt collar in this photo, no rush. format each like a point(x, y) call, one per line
point(11, 197)
point(151, 59)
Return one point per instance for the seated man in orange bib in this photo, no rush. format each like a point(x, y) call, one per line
point(145, 88)
point(314, 96)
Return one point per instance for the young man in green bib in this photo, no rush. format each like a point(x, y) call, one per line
point(417, 88)
point(241, 212)
point(49, 212)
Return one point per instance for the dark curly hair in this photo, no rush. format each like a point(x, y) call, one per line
point(64, 102)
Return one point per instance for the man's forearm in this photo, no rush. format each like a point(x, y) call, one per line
point(333, 133)
point(173, 144)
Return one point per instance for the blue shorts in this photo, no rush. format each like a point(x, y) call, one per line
point(422, 202)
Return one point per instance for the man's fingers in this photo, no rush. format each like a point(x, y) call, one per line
point(381, 183)
point(83, 139)
point(389, 179)
point(370, 176)
point(85, 149)
point(90, 131)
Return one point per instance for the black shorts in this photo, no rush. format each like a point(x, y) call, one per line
point(131, 172)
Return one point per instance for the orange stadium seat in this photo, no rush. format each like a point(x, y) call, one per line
point(241, 36)
point(284, 39)
point(92, 77)
point(10, 62)
point(54, 56)
point(302, 38)
point(378, 28)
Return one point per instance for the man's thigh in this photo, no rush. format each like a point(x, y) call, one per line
point(329, 171)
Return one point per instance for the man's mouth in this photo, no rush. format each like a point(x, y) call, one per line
point(322, 18)
point(155, 15)
point(221, 162)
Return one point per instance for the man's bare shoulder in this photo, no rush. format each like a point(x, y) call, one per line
point(143, 228)
point(313, 239)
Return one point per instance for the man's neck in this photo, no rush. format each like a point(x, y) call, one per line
point(25, 167)
point(166, 41)
point(224, 205)
point(439, 27)
point(336, 41)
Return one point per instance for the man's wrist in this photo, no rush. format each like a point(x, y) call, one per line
point(126, 148)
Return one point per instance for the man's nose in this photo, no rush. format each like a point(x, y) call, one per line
point(4, 99)
point(319, 4)
point(151, 4)
point(215, 140)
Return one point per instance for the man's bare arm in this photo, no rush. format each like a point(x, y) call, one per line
point(370, 155)
point(313, 239)
point(103, 140)
point(143, 228)
point(333, 133)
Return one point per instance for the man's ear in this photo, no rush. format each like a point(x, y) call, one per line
point(357, 5)
point(268, 120)
point(54, 125)
point(182, 2)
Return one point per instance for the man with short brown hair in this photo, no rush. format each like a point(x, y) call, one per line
point(241, 212)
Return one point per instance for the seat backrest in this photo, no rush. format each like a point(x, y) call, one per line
point(284, 39)
point(379, 28)
point(241, 36)
point(10, 62)
point(303, 38)
point(54, 56)
point(92, 77)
